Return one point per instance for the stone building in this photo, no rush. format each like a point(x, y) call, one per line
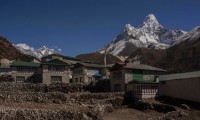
point(26, 72)
point(55, 71)
point(5, 67)
point(67, 59)
point(139, 79)
point(88, 72)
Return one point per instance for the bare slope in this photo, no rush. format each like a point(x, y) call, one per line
point(97, 57)
point(7, 50)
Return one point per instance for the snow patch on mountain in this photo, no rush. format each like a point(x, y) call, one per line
point(38, 53)
point(24, 46)
point(149, 34)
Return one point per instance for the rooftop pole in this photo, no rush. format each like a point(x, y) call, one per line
point(105, 62)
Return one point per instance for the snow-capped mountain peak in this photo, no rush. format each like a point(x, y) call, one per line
point(150, 18)
point(150, 25)
point(38, 53)
point(149, 34)
point(129, 27)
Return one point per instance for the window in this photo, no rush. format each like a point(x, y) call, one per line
point(70, 81)
point(26, 69)
point(56, 79)
point(89, 79)
point(20, 79)
point(117, 75)
point(78, 70)
point(117, 87)
point(137, 75)
point(81, 79)
point(56, 68)
point(76, 80)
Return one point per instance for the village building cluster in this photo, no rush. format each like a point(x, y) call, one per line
point(139, 79)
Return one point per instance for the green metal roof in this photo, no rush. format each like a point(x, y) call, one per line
point(25, 64)
point(55, 62)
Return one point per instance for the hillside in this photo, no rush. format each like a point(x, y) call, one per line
point(182, 56)
point(148, 56)
point(97, 57)
point(7, 50)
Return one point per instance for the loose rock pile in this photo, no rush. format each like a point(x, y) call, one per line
point(6, 78)
point(145, 105)
point(174, 115)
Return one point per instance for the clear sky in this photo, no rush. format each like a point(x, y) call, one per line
point(83, 26)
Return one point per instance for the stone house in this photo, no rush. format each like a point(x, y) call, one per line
point(67, 59)
point(87, 72)
point(139, 79)
point(5, 67)
point(55, 71)
point(26, 72)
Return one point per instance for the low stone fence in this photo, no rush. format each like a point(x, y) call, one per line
point(30, 87)
point(38, 97)
point(41, 114)
point(94, 105)
point(57, 97)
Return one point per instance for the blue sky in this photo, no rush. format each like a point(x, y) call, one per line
point(83, 26)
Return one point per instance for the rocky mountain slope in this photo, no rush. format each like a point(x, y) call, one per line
point(150, 34)
point(38, 53)
point(148, 56)
point(97, 57)
point(182, 56)
point(7, 50)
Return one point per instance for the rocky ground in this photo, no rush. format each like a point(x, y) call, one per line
point(163, 108)
point(36, 102)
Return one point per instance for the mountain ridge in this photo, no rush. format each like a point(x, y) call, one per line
point(181, 56)
point(149, 34)
point(38, 53)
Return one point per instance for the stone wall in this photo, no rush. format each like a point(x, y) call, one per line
point(78, 105)
point(30, 87)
